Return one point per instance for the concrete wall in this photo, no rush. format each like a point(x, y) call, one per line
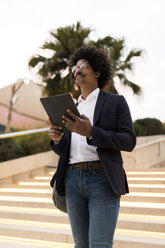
point(142, 158)
point(145, 156)
point(27, 111)
point(23, 165)
point(145, 139)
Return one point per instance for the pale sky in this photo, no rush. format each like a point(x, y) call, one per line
point(26, 24)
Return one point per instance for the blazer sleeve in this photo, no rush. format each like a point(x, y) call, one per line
point(123, 139)
point(57, 148)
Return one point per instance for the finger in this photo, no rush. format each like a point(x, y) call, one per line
point(54, 129)
point(57, 127)
point(67, 120)
point(85, 117)
point(54, 132)
point(72, 114)
point(68, 125)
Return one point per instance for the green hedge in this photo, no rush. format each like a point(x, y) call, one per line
point(34, 143)
point(23, 146)
point(149, 126)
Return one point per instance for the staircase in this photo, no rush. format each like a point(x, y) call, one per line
point(28, 218)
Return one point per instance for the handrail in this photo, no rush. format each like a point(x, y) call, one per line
point(150, 143)
point(21, 133)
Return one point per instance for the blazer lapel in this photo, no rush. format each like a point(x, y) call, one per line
point(99, 105)
point(68, 136)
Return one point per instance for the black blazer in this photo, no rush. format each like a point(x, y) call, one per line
point(112, 132)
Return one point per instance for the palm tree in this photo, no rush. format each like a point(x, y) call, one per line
point(64, 41)
point(115, 49)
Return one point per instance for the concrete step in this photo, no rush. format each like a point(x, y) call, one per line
point(150, 188)
point(50, 169)
point(25, 243)
point(125, 221)
point(15, 242)
point(62, 233)
point(44, 193)
point(133, 239)
point(144, 197)
point(155, 188)
point(29, 186)
point(157, 179)
point(148, 174)
point(126, 206)
point(34, 214)
point(36, 230)
point(26, 201)
point(145, 208)
point(44, 178)
point(146, 180)
point(45, 181)
point(28, 213)
point(32, 181)
point(26, 192)
point(141, 222)
point(41, 172)
point(130, 177)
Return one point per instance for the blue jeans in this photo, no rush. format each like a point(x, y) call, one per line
point(92, 208)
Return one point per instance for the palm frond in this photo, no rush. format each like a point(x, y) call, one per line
point(136, 88)
point(125, 66)
point(121, 76)
point(133, 53)
point(35, 60)
point(49, 46)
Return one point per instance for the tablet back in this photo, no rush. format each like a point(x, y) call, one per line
point(56, 106)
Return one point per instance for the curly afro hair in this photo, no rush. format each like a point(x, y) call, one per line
point(97, 58)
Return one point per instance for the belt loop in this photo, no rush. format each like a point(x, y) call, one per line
point(90, 166)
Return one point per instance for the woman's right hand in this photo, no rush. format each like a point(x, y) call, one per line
point(55, 132)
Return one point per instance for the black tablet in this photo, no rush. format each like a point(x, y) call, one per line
point(56, 106)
